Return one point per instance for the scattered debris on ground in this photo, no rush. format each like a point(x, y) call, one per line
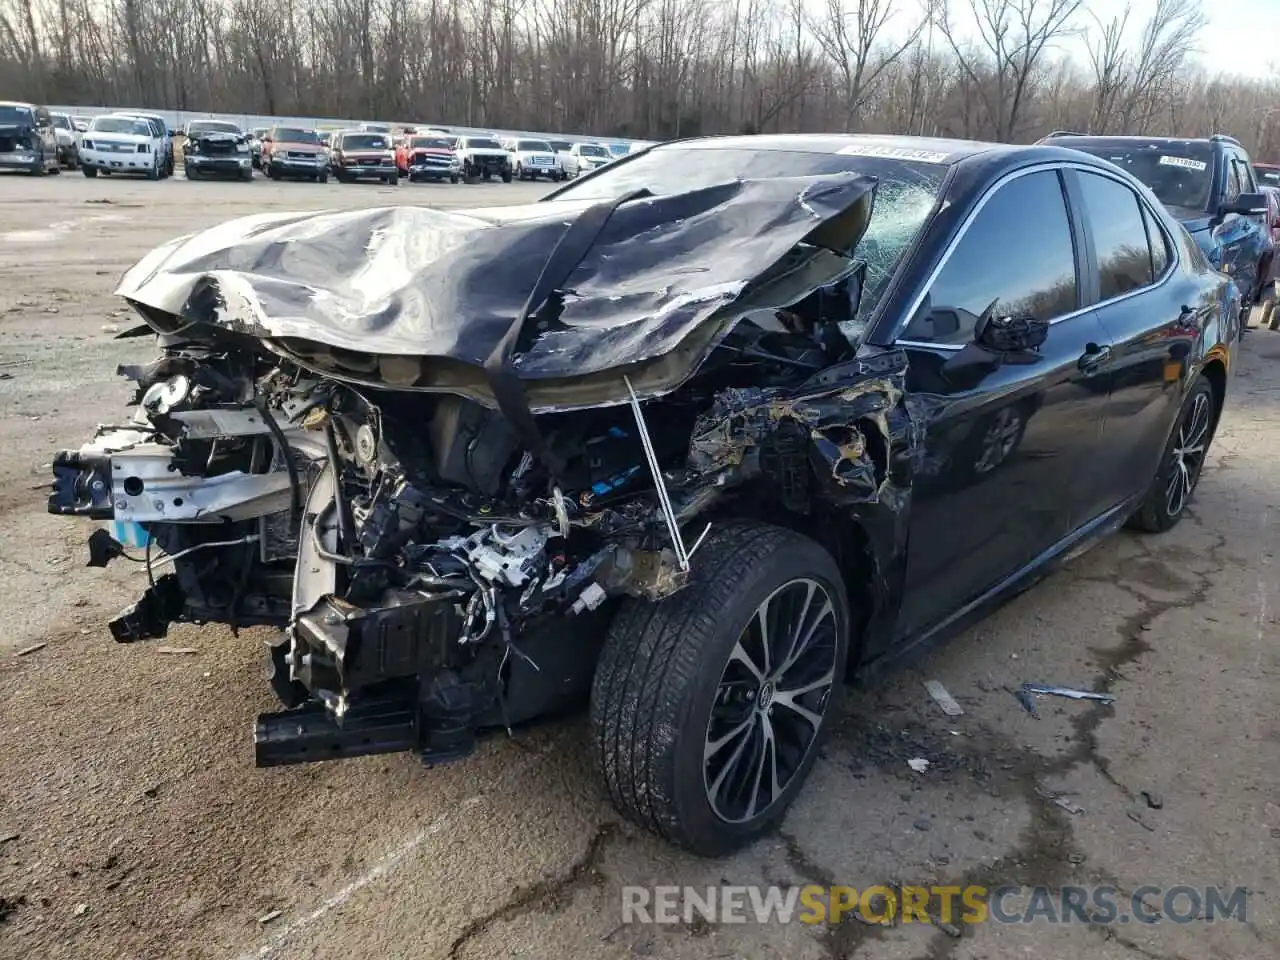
point(944, 699)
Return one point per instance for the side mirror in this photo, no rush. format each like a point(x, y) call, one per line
point(1016, 334)
point(1247, 205)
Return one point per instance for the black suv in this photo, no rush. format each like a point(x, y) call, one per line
point(1209, 186)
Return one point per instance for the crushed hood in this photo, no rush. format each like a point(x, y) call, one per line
point(412, 298)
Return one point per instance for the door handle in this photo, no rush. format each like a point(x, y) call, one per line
point(1094, 356)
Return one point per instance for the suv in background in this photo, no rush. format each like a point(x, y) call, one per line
point(28, 140)
point(1210, 187)
point(216, 147)
point(121, 143)
point(161, 126)
point(68, 146)
point(294, 152)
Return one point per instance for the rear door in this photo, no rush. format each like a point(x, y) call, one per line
point(1151, 314)
point(1004, 475)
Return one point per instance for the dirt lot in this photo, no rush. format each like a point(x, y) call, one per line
point(133, 823)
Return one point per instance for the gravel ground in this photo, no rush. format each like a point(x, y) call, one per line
point(133, 823)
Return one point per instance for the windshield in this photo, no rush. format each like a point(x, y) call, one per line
point(483, 143)
point(61, 121)
point(560, 146)
point(431, 143)
point(1180, 174)
point(365, 141)
point(128, 125)
point(593, 150)
point(16, 115)
point(905, 194)
point(534, 146)
point(294, 135)
point(212, 126)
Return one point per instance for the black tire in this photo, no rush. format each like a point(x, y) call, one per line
point(453, 178)
point(322, 178)
point(663, 669)
point(1197, 421)
point(191, 173)
point(393, 180)
point(90, 172)
point(154, 172)
point(40, 169)
point(506, 177)
point(247, 174)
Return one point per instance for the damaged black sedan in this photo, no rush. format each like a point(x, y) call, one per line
point(699, 436)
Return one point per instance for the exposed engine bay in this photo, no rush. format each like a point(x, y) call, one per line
point(429, 569)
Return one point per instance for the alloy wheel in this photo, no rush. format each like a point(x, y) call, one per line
point(1188, 455)
point(771, 701)
point(1000, 439)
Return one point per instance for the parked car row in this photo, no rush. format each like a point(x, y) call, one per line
point(143, 144)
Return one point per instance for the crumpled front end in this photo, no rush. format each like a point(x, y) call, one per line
point(434, 565)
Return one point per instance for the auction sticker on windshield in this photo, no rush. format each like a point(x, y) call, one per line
point(1185, 162)
point(893, 153)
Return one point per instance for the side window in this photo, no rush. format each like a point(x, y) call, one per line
point(1247, 183)
point(1158, 243)
point(1233, 180)
point(1017, 255)
point(1119, 235)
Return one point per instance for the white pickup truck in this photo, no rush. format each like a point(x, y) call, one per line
point(483, 157)
point(532, 159)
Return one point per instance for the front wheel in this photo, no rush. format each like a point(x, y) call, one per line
point(191, 173)
point(89, 171)
point(708, 707)
point(1181, 463)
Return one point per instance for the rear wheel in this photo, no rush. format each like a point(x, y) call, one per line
point(708, 708)
point(191, 173)
point(1181, 463)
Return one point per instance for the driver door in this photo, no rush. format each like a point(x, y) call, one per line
point(1007, 467)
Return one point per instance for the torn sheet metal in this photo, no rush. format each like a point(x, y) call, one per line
point(416, 299)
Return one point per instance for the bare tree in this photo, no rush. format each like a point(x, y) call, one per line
point(642, 68)
point(850, 34)
point(1012, 37)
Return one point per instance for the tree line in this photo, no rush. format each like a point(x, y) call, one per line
point(1010, 70)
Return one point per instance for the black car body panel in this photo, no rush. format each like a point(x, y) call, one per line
point(1199, 181)
point(423, 442)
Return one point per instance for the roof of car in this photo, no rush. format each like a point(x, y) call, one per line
point(17, 103)
point(952, 151)
point(1128, 141)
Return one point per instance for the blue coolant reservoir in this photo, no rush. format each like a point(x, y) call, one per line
point(129, 534)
